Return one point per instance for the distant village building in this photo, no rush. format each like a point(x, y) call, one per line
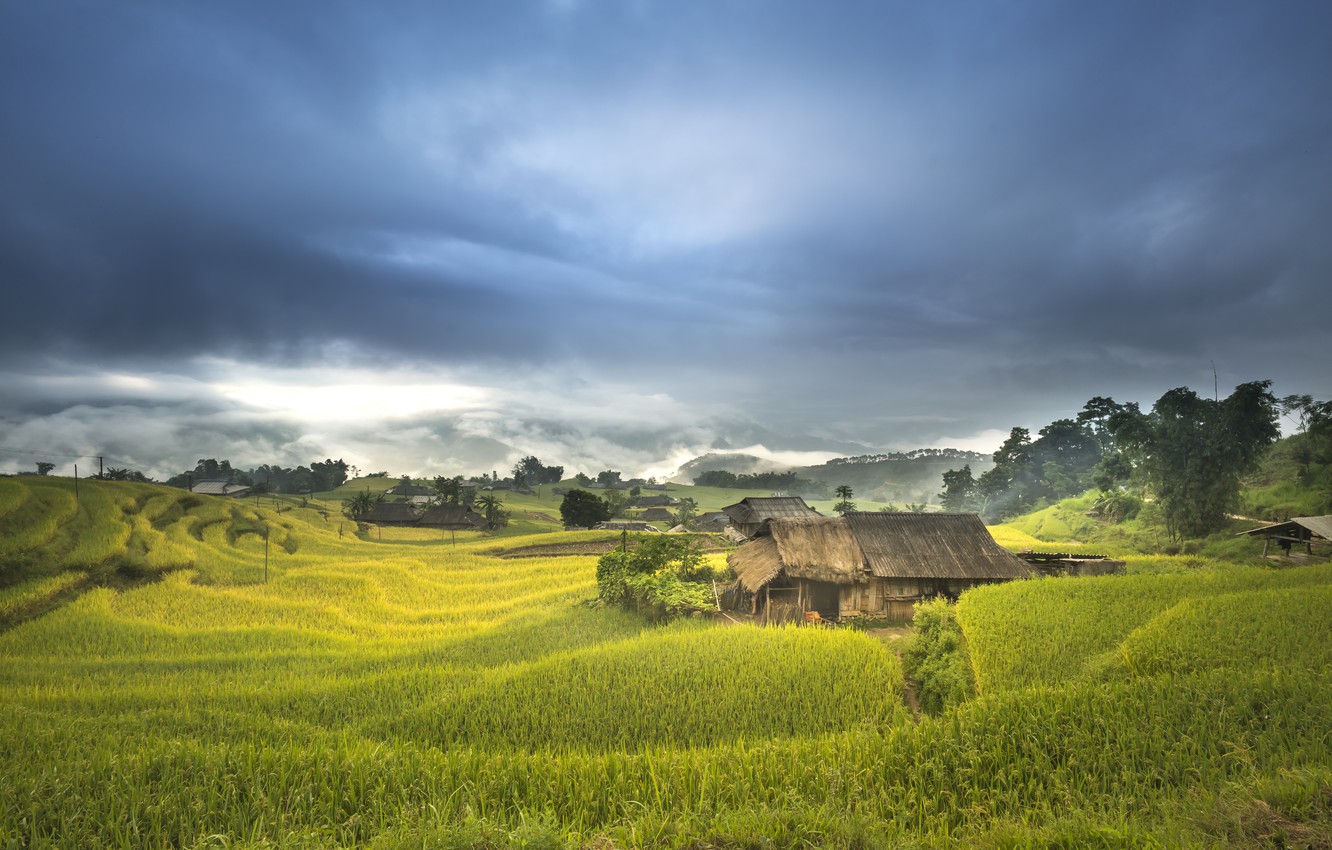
point(654, 501)
point(657, 515)
point(865, 564)
point(625, 525)
point(410, 491)
point(712, 522)
point(749, 514)
point(452, 518)
point(390, 513)
point(220, 488)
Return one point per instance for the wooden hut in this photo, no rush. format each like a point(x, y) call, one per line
point(749, 514)
point(657, 515)
point(1301, 531)
point(867, 564)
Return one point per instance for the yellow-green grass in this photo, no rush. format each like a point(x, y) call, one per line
point(390, 693)
point(1055, 630)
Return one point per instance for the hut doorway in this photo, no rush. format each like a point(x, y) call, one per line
point(824, 597)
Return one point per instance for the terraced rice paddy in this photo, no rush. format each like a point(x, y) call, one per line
point(407, 692)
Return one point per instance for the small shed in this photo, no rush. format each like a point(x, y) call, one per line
point(1300, 531)
point(867, 564)
point(657, 515)
point(749, 514)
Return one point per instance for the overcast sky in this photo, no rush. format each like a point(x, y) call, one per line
point(434, 237)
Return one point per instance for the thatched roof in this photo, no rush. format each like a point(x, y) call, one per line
point(756, 509)
point(454, 517)
point(817, 548)
point(756, 563)
point(910, 545)
point(844, 550)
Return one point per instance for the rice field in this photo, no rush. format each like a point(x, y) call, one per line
point(409, 692)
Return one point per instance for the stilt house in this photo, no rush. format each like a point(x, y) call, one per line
point(866, 564)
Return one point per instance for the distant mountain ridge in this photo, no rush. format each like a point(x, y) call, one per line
point(914, 476)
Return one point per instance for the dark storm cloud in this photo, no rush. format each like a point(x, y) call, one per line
point(890, 221)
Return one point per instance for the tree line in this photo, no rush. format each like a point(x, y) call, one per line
point(750, 480)
point(319, 476)
point(1188, 453)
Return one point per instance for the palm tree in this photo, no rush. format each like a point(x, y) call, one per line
point(688, 507)
point(492, 508)
point(361, 504)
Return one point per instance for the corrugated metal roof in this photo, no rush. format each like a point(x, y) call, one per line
point(451, 516)
point(756, 509)
point(904, 545)
point(1320, 525)
point(390, 512)
point(219, 488)
point(910, 545)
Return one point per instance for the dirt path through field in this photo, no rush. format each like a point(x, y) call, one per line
point(893, 637)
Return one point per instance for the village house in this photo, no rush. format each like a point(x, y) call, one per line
point(654, 501)
point(220, 488)
point(749, 514)
point(657, 515)
point(390, 513)
point(865, 564)
point(452, 518)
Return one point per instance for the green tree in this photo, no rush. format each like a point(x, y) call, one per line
point(361, 504)
point(492, 508)
point(44, 467)
point(845, 505)
point(959, 490)
point(664, 576)
point(450, 491)
point(582, 509)
point(686, 511)
point(616, 501)
point(1192, 451)
point(533, 472)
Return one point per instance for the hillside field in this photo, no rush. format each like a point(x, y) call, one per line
point(181, 671)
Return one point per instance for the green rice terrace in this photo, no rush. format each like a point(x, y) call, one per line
point(184, 671)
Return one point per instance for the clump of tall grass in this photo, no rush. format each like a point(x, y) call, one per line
point(936, 659)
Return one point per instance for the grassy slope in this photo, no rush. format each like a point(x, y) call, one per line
point(407, 692)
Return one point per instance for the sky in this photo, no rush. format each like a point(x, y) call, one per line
point(432, 238)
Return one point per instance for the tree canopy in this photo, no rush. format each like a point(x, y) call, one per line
point(1192, 451)
point(583, 509)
